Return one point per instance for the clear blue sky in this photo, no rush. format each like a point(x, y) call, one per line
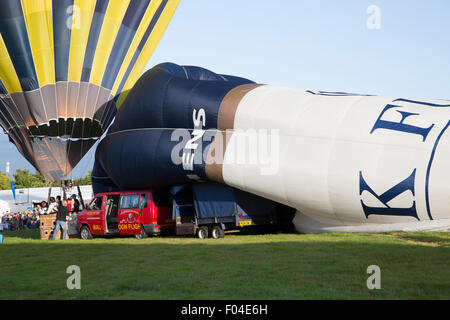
point(315, 44)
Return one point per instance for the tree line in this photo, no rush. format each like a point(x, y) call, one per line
point(24, 179)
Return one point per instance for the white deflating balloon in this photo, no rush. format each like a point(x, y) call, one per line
point(346, 162)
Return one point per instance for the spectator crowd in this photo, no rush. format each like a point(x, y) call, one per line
point(20, 220)
point(29, 219)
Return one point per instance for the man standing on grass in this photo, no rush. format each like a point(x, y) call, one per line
point(61, 215)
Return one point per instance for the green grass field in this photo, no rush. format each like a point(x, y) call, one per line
point(273, 266)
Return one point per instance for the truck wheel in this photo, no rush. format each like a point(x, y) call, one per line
point(202, 233)
point(217, 232)
point(142, 235)
point(85, 233)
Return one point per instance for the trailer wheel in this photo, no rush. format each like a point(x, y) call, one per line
point(85, 233)
point(217, 232)
point(202, 233)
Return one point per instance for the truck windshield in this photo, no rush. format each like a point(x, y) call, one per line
point(96, 204)
point(130, 201)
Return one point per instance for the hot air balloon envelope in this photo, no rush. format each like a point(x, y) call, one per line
point(63, 66)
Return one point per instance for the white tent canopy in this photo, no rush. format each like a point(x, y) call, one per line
point(26, 197)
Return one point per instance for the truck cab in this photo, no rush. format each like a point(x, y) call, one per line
point(128, 213)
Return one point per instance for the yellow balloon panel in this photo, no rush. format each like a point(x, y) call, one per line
point(38, 19)
point(82, 16)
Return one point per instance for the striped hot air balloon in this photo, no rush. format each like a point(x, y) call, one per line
point(63, 67)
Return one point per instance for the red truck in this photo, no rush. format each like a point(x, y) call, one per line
point(203, 209)
point(138, 213)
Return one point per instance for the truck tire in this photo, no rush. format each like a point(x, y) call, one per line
point(202, 233)
point(142, 235)
point(85, 233)
point(217, 232)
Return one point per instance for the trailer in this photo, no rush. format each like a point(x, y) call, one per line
point(209, 209)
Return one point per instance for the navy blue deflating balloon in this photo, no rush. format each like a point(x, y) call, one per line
point(100, 180)
point(147, 159)
point(167, 95)
point(153, 127)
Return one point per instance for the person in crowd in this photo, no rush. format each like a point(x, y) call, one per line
point(43, 208)
point(31, 221)
point(19, 221)
point(23, 220)
point(53, 207)
point(4, 221)
point(12, 222)
point(15, 222)
point(37, 208)
point(61, 218)
point(75, 207)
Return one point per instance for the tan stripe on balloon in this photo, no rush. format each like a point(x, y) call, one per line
point(216, 155)
point(230, 103)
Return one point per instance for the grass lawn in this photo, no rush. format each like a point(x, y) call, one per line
point(273, 266)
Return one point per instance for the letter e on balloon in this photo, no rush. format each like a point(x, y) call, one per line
point(374, 281)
